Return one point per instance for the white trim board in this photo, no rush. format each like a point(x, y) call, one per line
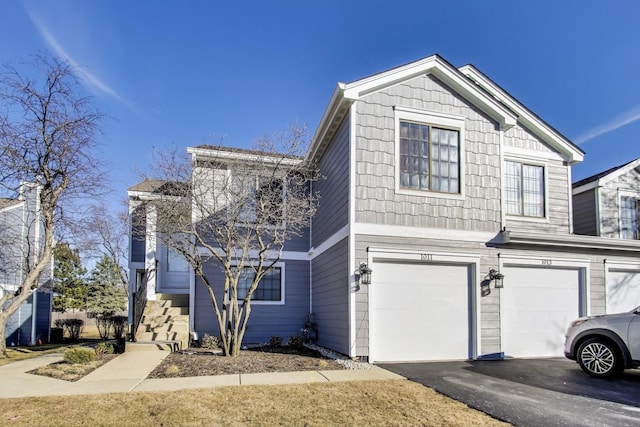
point(423, 233)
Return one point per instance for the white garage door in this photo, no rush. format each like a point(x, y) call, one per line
point(623, 291)
point(537, 305)
point(420, 312)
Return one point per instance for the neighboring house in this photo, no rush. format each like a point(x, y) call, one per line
point(20, 235)
point(608, 204)
point(443, 187)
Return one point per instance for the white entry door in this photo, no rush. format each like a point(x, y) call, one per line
point(420, 312)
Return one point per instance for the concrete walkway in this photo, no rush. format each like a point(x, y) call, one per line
point(128, 372)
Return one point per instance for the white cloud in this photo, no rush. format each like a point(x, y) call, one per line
point(618, 122)
point(92, 82)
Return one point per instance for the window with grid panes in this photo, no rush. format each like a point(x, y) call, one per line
point(629, 207)
point(524, 189)
point(269, 288)
point(429, 158)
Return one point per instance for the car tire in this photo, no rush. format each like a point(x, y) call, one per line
point(599, 358)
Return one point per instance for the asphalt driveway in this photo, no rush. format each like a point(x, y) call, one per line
point(528, 392)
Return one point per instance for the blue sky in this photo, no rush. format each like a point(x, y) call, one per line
point(192, 72)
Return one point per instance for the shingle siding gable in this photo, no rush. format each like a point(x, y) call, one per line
point(376, 199)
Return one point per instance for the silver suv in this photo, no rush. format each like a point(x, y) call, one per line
point(605, 345)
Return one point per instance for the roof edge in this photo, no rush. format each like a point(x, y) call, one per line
point(528, 118)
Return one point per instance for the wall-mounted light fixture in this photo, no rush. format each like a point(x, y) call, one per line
point(365, 274)
point(497, 277)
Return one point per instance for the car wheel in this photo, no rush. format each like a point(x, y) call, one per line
point(599, 358)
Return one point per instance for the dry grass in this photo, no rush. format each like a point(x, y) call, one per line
point(14, 354)
point(71, 371)
point(321, 404)
point(22, 353)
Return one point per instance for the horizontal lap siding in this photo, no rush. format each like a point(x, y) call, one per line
point(265, 321)
point(584, 213)
point(18, 329)
point(333, 187)
point(331, 296)
point(376, 199)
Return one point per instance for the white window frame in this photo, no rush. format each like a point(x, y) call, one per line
point(545, 175)
point(629, 194)
point(436, 119)
point(281, 266)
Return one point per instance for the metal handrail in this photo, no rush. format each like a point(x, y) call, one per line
point(139, 302)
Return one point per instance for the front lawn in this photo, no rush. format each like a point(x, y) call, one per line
point(366, 403)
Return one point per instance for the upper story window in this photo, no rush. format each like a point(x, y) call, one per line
point(629, 213)
point(176, 262)
point(524, 189)
point(429, 158)
point(270, 288)
point(429, 153)
point(263, 201)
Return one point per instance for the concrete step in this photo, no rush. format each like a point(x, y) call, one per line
point(155, 337)
point(172, 300)
point(161, 319)
point(164, 327)
point(153, 346)
point(153, 310)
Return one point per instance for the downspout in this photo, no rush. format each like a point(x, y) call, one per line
point(352, 238)
point(570, 198)
point(309, 257)
point(598, 225)
point(36, 238)
point(34, 316)
point(503, 218)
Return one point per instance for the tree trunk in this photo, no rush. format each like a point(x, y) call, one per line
point(3, 341)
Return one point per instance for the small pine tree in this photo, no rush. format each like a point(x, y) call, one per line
point(105, 293)
point(69, 287)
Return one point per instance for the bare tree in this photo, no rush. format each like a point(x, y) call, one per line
point(107, 234)
point(235, 209)
point(48, 138)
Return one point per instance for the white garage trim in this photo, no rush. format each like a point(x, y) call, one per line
point(612, 267)
point(436, 258)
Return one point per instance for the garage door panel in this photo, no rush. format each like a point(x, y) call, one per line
point(537, 305)
point(420, 312)
point(623, 291)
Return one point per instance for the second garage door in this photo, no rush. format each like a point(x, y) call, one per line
point(623, 290)
point(537, 304)
point(420, 312)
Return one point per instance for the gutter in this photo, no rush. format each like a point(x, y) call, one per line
point(566, 241)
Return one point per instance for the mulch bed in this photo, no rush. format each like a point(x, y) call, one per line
point(199, 362)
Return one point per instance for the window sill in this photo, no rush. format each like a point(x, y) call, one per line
point(429, 194)
point(538, 220)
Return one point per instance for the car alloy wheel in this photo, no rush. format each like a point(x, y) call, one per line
point(598, 358)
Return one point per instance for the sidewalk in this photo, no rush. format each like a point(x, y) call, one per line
point(128, 373)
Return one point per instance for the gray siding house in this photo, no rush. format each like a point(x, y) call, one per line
point(608, 205)
point(20, 233)
point(444, 229)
